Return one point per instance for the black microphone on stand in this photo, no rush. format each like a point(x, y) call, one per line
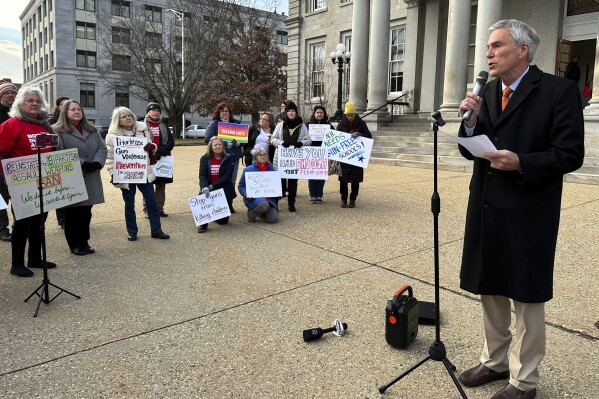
point(478, 85)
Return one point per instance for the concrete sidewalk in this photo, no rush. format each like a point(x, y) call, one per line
point(221, 314)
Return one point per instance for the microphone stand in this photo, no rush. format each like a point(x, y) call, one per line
point(436, 350)
point(42, 291)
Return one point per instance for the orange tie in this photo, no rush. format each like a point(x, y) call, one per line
point(505, 97)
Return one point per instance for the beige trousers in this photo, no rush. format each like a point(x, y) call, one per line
point(529, 349)
point(160, 190)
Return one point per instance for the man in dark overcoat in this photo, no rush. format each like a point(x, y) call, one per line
point(535, 121)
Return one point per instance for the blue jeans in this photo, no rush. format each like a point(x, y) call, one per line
point(316, 188)
point(147, 190)
point(235, 170)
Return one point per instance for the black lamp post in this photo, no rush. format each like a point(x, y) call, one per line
point(340, 57)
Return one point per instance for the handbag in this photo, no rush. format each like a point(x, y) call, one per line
point(334, 168)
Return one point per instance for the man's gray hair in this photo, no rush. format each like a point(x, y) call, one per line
point(521, 33)
point(15, 110)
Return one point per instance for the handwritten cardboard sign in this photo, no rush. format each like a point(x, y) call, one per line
point(62, 182)
point(263, 184)
point(317, 131)
point(130, 160)
point(233, 131)
point(205, 210)
point(303, 163)
point(343, 148)
point(164, 167)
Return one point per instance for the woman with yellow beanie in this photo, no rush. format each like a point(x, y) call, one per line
point(351, 123)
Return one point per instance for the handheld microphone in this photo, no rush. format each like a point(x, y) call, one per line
point(480, 82)
point(315, 333)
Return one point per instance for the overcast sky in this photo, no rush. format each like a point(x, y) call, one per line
point(10, 36)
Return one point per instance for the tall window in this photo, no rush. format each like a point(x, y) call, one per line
point(121, 35)
point(87, 5)
point(51, 30)
point(51, 58)
point(346, 68)
point(281, 37)
point(317, 4)
point(155, 37)
point(317, 70)
point(153, 14)
point(155, 64)
point(396, 59)
point(87, 95)
point(120, 8)
point(121, 62)
point(86, 59)
point(85, 30)
point(121, 97)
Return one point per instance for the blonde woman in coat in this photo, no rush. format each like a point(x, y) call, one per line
point(123, 123)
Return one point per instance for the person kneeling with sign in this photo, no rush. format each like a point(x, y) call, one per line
point(259, 207)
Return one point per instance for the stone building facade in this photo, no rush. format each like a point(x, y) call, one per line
point(61, 51)
point(429, 51)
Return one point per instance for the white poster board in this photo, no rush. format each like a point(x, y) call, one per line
point(343, 148)
point(62, 182)
point(3, 205)
point(263, 184)
point(303, 163)
point(130, 160)
point(317, 131)
point(205, 210)
point(164, 167)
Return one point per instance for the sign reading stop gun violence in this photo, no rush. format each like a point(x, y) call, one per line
point(342, 147)
point(303, 163)
point(130, 160)
point(62, 182)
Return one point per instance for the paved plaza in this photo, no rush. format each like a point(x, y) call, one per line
point(221, 314)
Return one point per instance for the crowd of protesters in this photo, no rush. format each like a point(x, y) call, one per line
point(25, 113)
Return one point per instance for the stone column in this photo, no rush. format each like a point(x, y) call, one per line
point(591, 112)
point(413, 64)
point(489, 12)
point(456, 58)
point(358, 73)
point(378, 57)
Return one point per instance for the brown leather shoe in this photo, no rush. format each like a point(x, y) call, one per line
point(352, 204)
point(480, 375)
point(511, 392)
point(343, 204)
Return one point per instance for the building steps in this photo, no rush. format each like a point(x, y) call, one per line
point(409, 142)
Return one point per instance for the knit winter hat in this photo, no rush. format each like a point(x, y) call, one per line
point(350, 108)
point(6, 87)
point(153, 105)
point(290, 106)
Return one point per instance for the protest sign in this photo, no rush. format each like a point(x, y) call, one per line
point(130, 160)
point(263, 184)
point(317, 131)
point(303, 163)
point(205, 210)
point(343, 148)
point(3, 205)
point(164, 167)
point(62, 182)
point(233, 131)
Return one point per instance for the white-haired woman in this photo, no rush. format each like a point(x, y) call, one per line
point(29, 115)
point(123, 123)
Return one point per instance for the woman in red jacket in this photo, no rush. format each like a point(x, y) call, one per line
point(17, 138)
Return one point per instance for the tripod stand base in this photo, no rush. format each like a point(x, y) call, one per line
point(44, 294)
point(435, 352)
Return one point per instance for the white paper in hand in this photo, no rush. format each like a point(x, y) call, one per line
point(477, 145)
